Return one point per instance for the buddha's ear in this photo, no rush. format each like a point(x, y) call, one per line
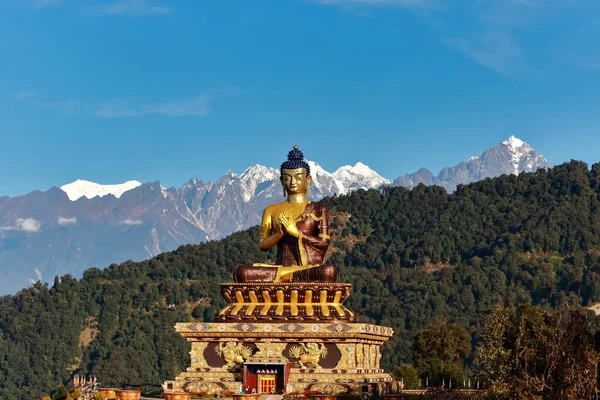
point(283, 185)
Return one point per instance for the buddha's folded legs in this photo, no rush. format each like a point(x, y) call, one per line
point(250, 274)
point(323, 273)
point(259, 274)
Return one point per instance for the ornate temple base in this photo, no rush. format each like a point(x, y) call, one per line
point(281, 357)
point(282, 338)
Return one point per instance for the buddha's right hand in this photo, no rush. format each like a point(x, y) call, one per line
point(289, 225)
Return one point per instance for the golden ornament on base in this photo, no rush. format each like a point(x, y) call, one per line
point(177, 396)
point(245, 396)
point(320, 396)
point(124, 394)
point(109, 394)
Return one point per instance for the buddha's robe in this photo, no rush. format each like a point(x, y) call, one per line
point(307, 250)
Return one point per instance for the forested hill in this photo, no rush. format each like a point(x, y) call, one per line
point(411, 256)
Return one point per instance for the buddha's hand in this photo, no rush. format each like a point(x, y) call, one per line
point(277, 227)
point(289, 225)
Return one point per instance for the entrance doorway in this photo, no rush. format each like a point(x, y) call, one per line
point(267, 384)
point(266, 377)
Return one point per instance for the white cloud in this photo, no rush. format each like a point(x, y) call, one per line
point(494, 50)
point(28, 224)
point(131, 222)
point(132, 7)
point(198, 107)
point(67, 221)
point(31, 98)
point(117, 109)
point(24, 225)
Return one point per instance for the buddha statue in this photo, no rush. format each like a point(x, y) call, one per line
point(298, 227)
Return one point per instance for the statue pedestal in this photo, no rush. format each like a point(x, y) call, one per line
point(290, 345)
point(315, 302)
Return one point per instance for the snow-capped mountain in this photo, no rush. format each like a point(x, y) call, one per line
point(81, 188)
point(512, 156)
point(359, 176)
point(78, 226)
point(523, 157)
point(252, 177)
point(324, 183)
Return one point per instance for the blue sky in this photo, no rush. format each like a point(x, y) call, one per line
point(150, 90)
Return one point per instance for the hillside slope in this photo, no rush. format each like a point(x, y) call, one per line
point(410, 254)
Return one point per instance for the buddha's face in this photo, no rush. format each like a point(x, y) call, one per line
point(295, 181)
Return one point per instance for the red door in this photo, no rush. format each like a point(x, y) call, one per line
point(266, 384)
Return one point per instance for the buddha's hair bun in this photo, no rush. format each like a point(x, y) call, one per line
point(295, 159)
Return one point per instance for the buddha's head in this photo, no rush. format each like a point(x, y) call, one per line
point(295, 173)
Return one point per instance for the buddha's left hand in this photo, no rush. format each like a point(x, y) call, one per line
point(290, 226)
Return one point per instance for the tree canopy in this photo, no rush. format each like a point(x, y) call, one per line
point(535, 353)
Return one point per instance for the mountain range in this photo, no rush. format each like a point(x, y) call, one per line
point(512, 156)
point(83, 224)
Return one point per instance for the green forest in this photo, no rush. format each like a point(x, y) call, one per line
point(413, 257)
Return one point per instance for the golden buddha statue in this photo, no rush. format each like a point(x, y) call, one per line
point(299, 228)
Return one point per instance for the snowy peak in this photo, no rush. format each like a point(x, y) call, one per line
point(359, 176)
point(253, 176)
point(81, 188)
point(259, 174)
point(511, 156)
point(514, 143)
point(316, 169)
point(522, 157)
point(324, 181)
point(194, 182)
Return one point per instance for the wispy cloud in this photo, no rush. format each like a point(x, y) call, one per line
point(24, 225)
point(495, 50)
point(132, 7)
point(131, 222)
point(67, 221)
point(500, 21)
point(198, 107)
point(117, 109)
point(32, 99)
